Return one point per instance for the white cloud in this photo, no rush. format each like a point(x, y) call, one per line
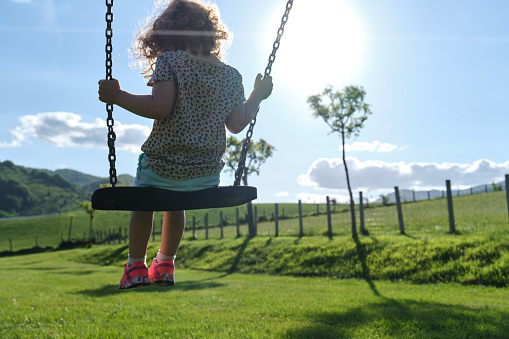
point(372, 175)
point(386, 147)
point(22, 1)
point(364, 146)
point(64, 129)
point(282, 194)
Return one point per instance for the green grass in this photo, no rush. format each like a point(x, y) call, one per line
point(427, 283)
point(464, 260)
point(52, 295)
point(477, 214)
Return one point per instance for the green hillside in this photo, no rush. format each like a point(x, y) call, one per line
point(27, 191)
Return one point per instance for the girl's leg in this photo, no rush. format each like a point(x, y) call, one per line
point(140, 229)
point(174, 223)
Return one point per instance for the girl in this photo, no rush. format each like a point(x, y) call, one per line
point(194, 96)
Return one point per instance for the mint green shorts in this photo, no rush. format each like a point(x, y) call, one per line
point(145, 177)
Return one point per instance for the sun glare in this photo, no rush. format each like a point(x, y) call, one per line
point(322, 44)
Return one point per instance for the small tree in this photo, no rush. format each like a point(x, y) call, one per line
point(257, 155)
point(385, 199)
point(87, 206)
point(496, 187)
point(345, 113)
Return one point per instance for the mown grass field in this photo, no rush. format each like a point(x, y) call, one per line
point(424, 284)
point(59, 295)
point(476, 214)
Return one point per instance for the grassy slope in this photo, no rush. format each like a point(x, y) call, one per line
point(51, 296)
point(464, 260)
point(479, 254)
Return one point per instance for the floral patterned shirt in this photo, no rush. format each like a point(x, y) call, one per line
point(191, 141)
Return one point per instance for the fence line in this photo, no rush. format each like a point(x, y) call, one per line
point(426, 217)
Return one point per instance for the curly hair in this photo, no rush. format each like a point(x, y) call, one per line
point(183, 25)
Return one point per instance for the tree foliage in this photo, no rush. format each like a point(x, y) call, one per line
point(257, 155)
point(345, 113)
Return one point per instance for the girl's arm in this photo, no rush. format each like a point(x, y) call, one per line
point(242, 114)
point(158, 105)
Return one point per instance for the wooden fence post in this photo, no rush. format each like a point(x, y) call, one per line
point(237, 221)
point(276, 218)
point(120, 235)
point(507, 190)
point(221, 223)
point(413, 195)
point(256, 218)
point(301, 225)
point(206, 225)
point(329, 221)
point(400, 211)
point(194, 227)
point(10, 244)
point(361, 212)
point(452, 228)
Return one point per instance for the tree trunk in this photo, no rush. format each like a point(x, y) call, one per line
point(352, 203)
point(250, 221)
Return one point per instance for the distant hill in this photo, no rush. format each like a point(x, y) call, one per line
point(89, 182)
point(27, 191)
point(76, 177)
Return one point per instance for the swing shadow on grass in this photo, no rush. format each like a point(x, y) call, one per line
point(183, 286)
point(405, 319)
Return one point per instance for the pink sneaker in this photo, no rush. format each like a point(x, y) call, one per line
point(134, 276)
point(162, 273)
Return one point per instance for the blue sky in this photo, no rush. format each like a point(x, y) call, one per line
point(435, 73)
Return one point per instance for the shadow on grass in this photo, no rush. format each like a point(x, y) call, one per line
point(362, 254)
point(240, 253)
point(404, 319)
point(184, 286)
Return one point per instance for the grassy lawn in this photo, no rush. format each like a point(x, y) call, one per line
point(52, 295)
point(425, 284)
point(475, 214)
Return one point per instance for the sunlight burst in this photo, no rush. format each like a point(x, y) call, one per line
point(323, 44)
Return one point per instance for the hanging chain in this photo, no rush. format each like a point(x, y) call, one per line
point(243, 155)
point(109, 108)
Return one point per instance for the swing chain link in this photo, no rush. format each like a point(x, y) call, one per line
point(242, 170)
point(109, 107)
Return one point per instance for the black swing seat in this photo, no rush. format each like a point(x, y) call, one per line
point(122, 198)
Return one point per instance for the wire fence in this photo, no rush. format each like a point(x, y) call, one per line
point(473, 210)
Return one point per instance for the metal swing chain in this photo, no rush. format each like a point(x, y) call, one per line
point(109, 108)
point(242, 161)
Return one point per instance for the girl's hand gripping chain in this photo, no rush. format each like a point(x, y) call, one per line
point(263, 87)
point(109, 90)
